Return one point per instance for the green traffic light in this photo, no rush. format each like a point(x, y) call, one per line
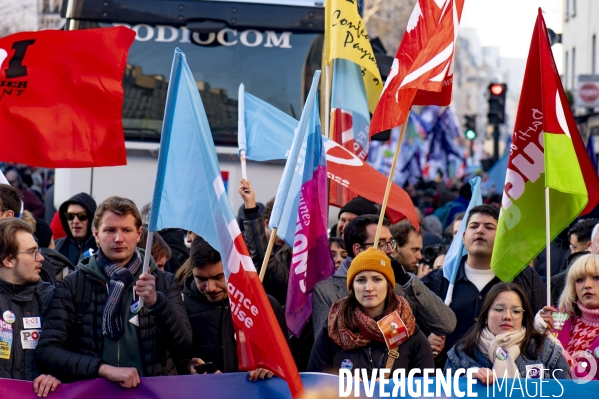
point(470, 134)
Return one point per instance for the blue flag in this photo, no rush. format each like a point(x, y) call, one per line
point(190, 194)
point(281, 216)
point(591, 151)
point(456, 249)
point(268, 131)
point(496, 175)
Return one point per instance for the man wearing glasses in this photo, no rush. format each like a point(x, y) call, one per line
point(430, 311)
point(75, 215)
point(24, 300)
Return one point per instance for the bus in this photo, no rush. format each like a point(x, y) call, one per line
point(272, 47)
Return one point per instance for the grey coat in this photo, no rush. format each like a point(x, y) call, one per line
point(550, 357)
point(429, 310)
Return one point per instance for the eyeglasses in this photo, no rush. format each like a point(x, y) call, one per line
point(516, 311)
point(382, 244)
point(82, 216)
point(33, 253)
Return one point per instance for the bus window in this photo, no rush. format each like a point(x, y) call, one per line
point(275, 66)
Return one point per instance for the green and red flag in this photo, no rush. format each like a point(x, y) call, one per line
point(546, 151)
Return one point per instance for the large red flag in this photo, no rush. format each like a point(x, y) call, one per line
point(349, 171)
point(422, 72)
point(61, 97)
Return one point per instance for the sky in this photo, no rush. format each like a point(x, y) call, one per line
point(508, 24)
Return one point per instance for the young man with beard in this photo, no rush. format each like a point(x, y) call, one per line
point(93, 330)
point(24, 300)
point(475, 278)
point(207, 304)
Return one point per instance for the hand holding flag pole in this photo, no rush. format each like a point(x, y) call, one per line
point(390, 180)
point(241, 136)
point(283, 190)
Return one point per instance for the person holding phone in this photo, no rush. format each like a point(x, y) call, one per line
point(206, 299)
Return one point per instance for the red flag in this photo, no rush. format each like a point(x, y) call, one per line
point(362, 179)
point(61, 97)
point(343, 133)
point(422, 72)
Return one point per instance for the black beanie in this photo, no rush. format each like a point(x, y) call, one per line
point(43, 233)
point(360, 206)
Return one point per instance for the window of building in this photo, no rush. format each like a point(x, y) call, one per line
point(573, 8)
point(567, 10)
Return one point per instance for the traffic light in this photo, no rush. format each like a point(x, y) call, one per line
point(470, 130)
point(497, 93)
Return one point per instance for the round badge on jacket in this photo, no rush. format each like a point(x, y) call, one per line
point(500, 353)
point(9, 317)
point(347, 364)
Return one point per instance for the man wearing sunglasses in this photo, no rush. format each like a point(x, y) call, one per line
point(76, 215)
point(430, 311)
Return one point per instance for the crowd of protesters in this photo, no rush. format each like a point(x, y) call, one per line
point(73, 275)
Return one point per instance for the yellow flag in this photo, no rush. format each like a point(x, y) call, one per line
point(346, 37)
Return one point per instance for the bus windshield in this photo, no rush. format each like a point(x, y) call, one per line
point(275, 66)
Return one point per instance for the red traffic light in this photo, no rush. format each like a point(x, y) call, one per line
point(496, 89)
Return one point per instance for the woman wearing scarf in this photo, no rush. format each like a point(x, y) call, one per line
point(503, 340)
point(372, 328)
point(576, 325)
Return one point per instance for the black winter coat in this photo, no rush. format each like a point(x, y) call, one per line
point(31, 300)
point(72, 343)
point(213, 331)
point(277, 273)
point(327, 356)
point(467, 300)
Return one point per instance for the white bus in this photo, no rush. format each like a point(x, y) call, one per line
point(273, 47)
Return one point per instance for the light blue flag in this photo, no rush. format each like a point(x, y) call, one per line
point(496, 175)
point(348, 91)
point(457, 250)
point(187, 165)
point(281, 216)
point(268, 131)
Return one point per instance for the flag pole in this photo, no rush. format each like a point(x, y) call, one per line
point(271, 243)
point(146, 264)
point(241, 128)
point(548, 245)
point(327, 100)
point(390, 180)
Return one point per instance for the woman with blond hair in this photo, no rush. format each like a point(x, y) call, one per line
point(576, 324)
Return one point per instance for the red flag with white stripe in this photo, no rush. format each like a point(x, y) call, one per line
point(422, 72)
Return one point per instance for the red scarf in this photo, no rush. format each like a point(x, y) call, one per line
point(368, 328)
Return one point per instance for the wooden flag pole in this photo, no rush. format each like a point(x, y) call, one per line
point(271, 243)
point(390, 181)
point(548, 245)
point(327, 100)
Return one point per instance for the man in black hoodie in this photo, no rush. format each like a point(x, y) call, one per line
point(76, 215)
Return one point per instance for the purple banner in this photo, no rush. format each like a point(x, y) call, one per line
point(311, 261)
point(221, 386)
point(236, 386)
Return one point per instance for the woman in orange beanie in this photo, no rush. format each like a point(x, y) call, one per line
point(372, 328)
